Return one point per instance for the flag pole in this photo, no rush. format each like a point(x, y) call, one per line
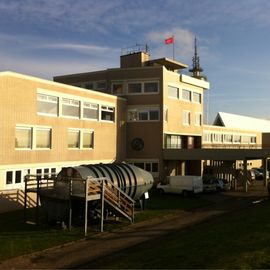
point(173, 46)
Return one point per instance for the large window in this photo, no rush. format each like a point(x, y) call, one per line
point(197, 97)
point(134, 88)
point(186, 117)
point(198, 119)
point(43, 138)
point(80, 139)
point(173, 92)
point(150, 166)
point(107, 113)
point(173, 141)
point(118, 88)
point(70, 107)
point(101, 85)
point(73, 139)
point(47, 104)
point(186, 95)
point(90, 110)
point(150, 87)
point(88, 139)
point(23, 137)
point(143, 114)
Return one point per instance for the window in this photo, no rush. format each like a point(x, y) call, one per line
point(143, 114)
point(186, 117)
point(149, 166)
point(228, 138)
point(89, 85)
point(173, 92)
point(207, 137)
point(39, 174)
point(165, 114)
point(154, 115)
point(101, 85)
point(118, 88)
point(43, 138)
point(46, 173)
point(186, 95)
point(253, 139)
point(173, 141)
point(107, 113)
point(53, 173)
point(217, 137)
point(80, 139)
point(73, 139)
point(134, 88)
point(88, 139)
point(9, 176)
point(90, 110)
point(47, 104)
point(70, 107)
point(150, 87)
point(197, 97)
point(18, 177)
point(23, 137)
point(198, 119)
point(237, 139)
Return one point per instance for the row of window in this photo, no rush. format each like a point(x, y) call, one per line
point(143, 114)
point(66, 107)
point(133, 88)
point(93, 85)
point(149, 166)
point(228, 138)
point(16, 177)
point(187, 95)
point(187, 118)
point(30, 137)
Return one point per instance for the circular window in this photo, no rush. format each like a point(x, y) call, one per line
point(137, 144)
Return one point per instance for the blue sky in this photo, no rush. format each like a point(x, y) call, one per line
point(45, 38)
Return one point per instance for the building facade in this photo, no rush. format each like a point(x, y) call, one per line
point(47, 125)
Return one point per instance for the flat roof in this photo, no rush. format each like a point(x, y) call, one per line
point(167, 62)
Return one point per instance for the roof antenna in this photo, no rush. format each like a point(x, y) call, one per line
point(196, 69)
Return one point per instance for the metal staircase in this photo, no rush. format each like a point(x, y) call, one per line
point(113, 196)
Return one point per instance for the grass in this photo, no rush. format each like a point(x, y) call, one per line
point(17, 238)
point(237, 240)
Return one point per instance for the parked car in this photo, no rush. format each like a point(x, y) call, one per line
point(214, 184)
point(258, 173)
point(209, 185)
point(222, 184)
point(189, 184)
point(252, 175)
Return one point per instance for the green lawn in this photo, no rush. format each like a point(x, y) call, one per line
point(239, 240)
point(18, 238)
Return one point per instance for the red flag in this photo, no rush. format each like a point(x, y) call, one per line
point(169, 40)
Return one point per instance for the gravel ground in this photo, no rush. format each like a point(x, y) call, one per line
point(81, 253)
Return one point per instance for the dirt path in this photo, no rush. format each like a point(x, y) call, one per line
point(81, 253)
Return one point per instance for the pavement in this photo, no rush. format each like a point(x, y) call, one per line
point(81, 253)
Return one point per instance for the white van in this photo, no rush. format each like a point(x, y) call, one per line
point(182, 184)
